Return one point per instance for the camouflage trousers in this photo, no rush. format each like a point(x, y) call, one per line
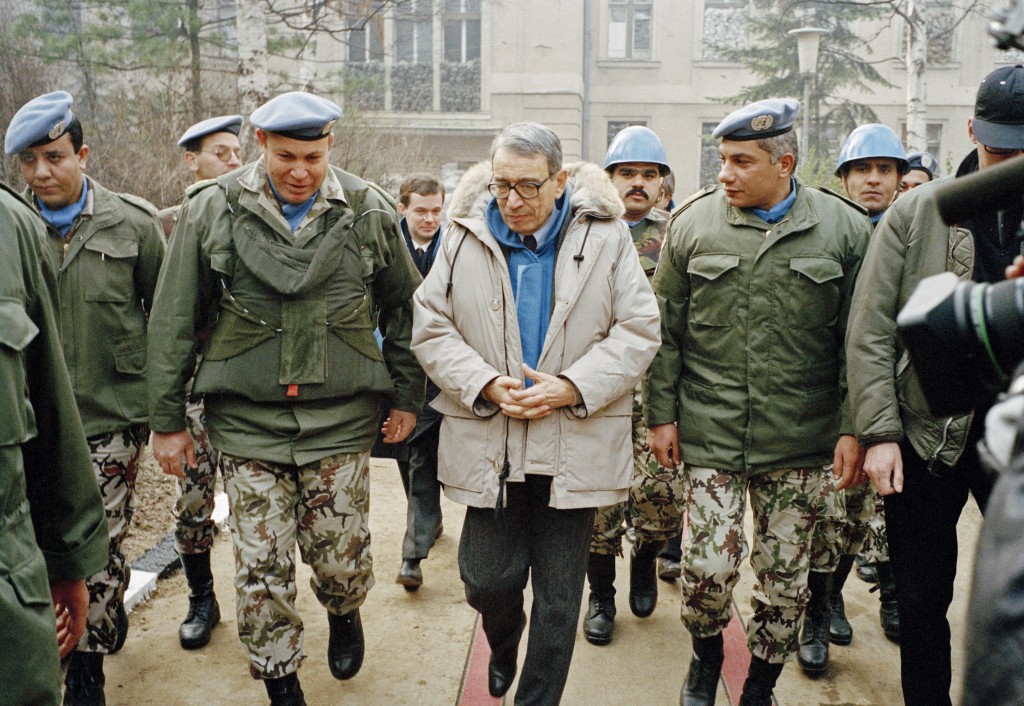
point(115, 459)
point(194, 529)
point(324, 506)
point(655, 504)
point(843, 522)
point(785, 506)
point(876, 547)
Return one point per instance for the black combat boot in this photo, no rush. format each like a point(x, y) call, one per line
point(813, 654)
point(761, 678)
point(285, 691)
point(120, 627)
point(85, 680)
point(643, 577)
point(889, 611)
point(865, 569)
point(345, 646)
point(701, 685)
point(840, 632)
point(599, 623)
point(203, 611)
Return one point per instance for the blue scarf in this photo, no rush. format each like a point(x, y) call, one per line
point(63, 218)
point(293, 213)
point(777, 212)
point(532, 275)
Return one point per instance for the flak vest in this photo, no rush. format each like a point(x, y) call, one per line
point(296, 323)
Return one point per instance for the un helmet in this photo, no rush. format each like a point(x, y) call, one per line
point(925, 161)
point(637, 143)
point(873, 141)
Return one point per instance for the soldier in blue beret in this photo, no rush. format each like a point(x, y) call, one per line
point(211, 149)
point(754, 283)
point(107, 250)
point(291, 263)
point(923, 168)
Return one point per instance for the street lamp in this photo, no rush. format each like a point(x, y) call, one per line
point(807, 40)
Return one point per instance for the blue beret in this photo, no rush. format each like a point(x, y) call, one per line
point(41, 120)
point(756, 121)
point(925, 162)
point(221, 123)
point(299, 115)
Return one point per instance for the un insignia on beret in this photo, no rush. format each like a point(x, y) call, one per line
point(927, 161)
point(56, 131)
point(762, 123)
point(328, 127)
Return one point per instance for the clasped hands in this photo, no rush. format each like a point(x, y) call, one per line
point(548, 393)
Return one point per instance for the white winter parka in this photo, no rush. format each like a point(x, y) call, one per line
point(604, 332)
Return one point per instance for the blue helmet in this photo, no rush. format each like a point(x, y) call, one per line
point(873, 141)
point(637, 143)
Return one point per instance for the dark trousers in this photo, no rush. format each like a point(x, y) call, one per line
point(422, 492)
point(921, 523)
point(496, 556)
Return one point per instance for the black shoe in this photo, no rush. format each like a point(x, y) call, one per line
point(121, 626)
point(840, 632)
point(203, 610)
point(643, 578)
point(346, 646)
point(701, 686)
point(410, 576)
point(814, 634)
point(599, 624)
point(501, 669)
point(285, 691)
point(866, 570)
point(85, 680)
point(761, 678)
point(888, 611)
point(669, 569)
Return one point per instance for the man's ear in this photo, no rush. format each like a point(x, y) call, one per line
point(785, 164)
point(190, 161)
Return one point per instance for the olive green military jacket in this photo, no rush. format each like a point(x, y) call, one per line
point(291, 372)
point(52, 524)
point(752, 366)
point(910, 243)
point(108, 265)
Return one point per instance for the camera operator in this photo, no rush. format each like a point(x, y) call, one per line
point(925, 466)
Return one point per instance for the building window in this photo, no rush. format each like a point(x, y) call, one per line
point(412, 75)
point(941, 22)
point(725, 23)
point(460, 68)
point(617, 126)
point(629, 29)
point(933, 132)
point(710, 160)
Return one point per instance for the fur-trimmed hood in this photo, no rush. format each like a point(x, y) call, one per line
point(592, 191)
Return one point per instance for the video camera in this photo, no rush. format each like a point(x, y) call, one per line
point(966, 338)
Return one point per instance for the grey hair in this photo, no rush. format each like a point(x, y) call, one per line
point(529, 139)
point(781, 144)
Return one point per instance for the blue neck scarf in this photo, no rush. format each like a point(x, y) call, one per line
point(532, 275)
point(293, 213)
point(777, 212)
point(876, 218)
point(63, 218)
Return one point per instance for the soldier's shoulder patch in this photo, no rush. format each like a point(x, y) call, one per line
point(199, 186)
point(826, 190)
point(138, 202)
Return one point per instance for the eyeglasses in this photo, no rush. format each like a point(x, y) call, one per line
point(1001, 150)
point(525, 189)
point(225, 154)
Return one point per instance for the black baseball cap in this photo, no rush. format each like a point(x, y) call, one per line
point(999, 109)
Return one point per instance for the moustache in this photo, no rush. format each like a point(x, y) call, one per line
point(637, 192)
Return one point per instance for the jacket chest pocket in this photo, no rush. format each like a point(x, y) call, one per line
point(107, 268)
point(810, 298)
point(714, 289)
